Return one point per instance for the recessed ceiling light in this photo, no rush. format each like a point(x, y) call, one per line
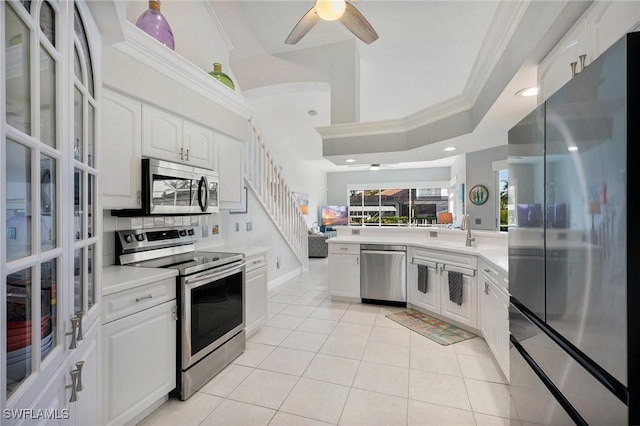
point(374, 167)
point(530, 91)
point(349, 160)
point(450, 148)
point(572, 148)
point(312, 112)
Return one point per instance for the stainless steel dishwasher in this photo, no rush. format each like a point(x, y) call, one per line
point(383, 274)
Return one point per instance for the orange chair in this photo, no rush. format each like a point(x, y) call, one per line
point(445, 217)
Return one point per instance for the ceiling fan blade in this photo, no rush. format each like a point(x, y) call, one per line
point(303, 26)
point(358, 24)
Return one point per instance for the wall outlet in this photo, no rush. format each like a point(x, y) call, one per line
point(433, 234)
point(355, 232)
point(249, 226)
point(205, 231)
point(478, 221)
point(278, 262)
point(237, 227)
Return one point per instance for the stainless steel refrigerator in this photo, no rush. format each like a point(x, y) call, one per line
point(573, 272)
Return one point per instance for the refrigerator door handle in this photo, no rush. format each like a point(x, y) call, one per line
point(562, 400)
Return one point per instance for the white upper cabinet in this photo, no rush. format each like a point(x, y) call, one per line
point(229, 163)
point(121, 133)
point(197, 142)
point(167, 136)
point(601, 25)
point(161, 135)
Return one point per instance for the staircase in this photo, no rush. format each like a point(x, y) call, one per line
point(264, 177)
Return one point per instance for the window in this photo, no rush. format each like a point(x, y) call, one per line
point(396, 205)
point(503, 200)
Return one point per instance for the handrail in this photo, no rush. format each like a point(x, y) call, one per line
point(265, 179)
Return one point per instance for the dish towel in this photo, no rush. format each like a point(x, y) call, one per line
point(455, 287)
point(423, 273)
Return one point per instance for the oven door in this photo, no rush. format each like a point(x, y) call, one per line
point(212, 311)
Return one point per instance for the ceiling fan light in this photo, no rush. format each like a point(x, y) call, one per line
point(330, 10)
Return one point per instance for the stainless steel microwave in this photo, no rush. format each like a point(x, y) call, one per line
point(172, 188)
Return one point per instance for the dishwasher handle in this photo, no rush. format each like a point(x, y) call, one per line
point(386, 252)
point(382, 247)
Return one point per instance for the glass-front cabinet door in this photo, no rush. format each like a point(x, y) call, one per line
point(48, 184)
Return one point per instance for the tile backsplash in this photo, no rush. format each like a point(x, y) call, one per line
point(205, 228)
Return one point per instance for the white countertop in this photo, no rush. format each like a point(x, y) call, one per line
point(246, 250)
point(117, 278)
point(497, 255)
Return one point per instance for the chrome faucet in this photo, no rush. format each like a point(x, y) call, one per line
point(466, 224)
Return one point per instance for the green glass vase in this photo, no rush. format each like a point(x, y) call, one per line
point(222, 77)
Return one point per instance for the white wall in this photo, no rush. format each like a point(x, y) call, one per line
point(263, 233)
point(480, 172)
point(287, 131)
point(459, 174)
point(202, 47)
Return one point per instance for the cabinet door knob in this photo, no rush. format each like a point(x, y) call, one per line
point(80, 335)
point(79, 366)
point(487, 270)
point(74, 332)
point(486, 288)
point(73, 386)
point(181, 153)
point(187, 154)
point(141, 298)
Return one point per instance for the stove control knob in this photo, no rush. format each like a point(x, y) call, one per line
point(140, 237)
point(183, 233)
point(192, 232)
point(128, 238)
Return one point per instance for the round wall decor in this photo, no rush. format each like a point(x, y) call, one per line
point(478, 195)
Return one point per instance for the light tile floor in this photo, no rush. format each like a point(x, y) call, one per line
point(318, 362)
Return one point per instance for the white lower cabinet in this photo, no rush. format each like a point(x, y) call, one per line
point(256, 292)
point(344, 271)
point(436, 299)
point(87, 410)
point(139, 351)
point(494, 313)
point(75, 407)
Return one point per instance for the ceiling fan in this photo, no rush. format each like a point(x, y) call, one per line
point(330, 10)
point(374, 166)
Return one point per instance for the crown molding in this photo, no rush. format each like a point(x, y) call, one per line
point(505, 22)
point(503, 25)
point(153, 54)
point(216, 21)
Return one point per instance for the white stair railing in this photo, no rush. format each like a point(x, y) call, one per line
point(265, 179)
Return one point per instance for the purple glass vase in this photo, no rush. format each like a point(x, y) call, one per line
point(153, 23)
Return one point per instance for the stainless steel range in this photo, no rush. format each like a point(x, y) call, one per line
point(210, 291)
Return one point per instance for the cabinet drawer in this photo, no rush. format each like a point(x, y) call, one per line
point(448, 257)
point(496, 275)
point(123, 303)
point(344, 248)
point(255, 262)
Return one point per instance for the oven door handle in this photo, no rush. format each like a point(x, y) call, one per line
point(220, 273)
